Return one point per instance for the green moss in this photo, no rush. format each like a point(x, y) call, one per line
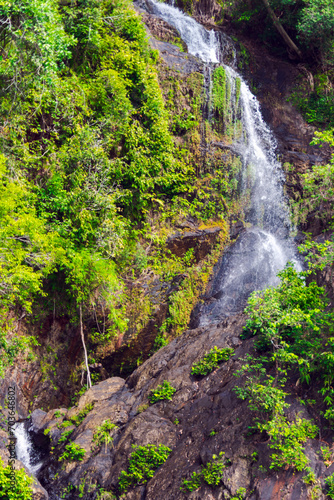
point(219, 91)
point(237, 90)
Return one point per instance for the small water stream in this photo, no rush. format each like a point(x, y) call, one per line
point(26, 452)
point(265, 247)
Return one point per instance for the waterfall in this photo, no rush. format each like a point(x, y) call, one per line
point(201, 43)
point(265, 247)
point(25, 450)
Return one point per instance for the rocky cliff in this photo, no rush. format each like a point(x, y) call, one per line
point(204, 416)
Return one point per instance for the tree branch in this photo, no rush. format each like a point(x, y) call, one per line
point(290, 43)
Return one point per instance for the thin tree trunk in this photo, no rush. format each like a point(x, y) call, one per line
point(89, 381)
point(282, 31)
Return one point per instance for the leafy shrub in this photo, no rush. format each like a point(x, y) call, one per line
point(64, 436)
point(143, 463)
point(193, 483)
point(102, 434)
point(73, 452)
point(64, 424)
point(310, 477)
point(211, 474)
point(327, 455)
point(211, 360)
point(287, 438)
point(77, 419)
point(329, 481)
point(14, 485)
point(240, 494)
point(163, 391)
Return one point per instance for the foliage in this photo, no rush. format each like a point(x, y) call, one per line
point(240, 494)
point(162, 392)
point(293, 332)
point(102, 435)
point(310, 477)
point(291, 323)
point(33, 40)
point(11, 344)
point(143, 463)
point(308, 22)
point(287, 438)
point(77, 419)
point(211, 474)
point(329, 481)
point(73, 453)
point(64, 436)
point(259, 387)
point(317, 17)
point(193, 483)
point(27, 254)
point(14, 485)
point(87, 147)
point(58, 414)
point(327, 455)
point(219, 89)
point(318, 196)
point(211, 360)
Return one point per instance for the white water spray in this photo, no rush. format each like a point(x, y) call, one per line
point(201, 42)
point(260, 252)
point(25, 451)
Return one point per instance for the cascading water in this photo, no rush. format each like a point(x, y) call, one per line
point(262, 250)
point(25, 450)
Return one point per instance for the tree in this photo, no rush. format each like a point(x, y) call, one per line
point(290, 43)
point(32, 38)
point(316, 26)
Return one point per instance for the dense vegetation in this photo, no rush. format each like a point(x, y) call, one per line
point(98, 164)
point(308, 39)
point(91, 178)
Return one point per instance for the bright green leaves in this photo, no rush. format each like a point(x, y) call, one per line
point(294, 332)
point(219, 89)
point(287, 438)
point(286, 312)
point(17, 488)
point(143, 463)
point(259, 388)
point(211, 474)
point(73, 453)
point(211, 360)
point(27, 250)
point(165, 391)
point(266, 397)
point(103, 434)
point(34, 40)
point(316, 25)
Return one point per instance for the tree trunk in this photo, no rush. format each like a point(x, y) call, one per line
point(89, 381)
point(281, 30)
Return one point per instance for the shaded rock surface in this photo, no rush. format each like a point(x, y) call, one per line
point(201, 242)
point(203, 418)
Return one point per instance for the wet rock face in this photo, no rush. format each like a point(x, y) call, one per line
point(201, 242)
point(175, 59)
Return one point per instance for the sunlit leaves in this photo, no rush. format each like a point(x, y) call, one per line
point(33, 39)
